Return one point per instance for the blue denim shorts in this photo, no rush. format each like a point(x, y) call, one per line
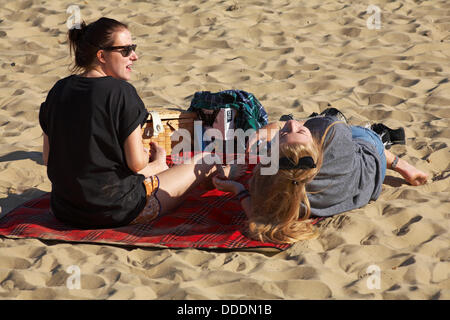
point(370, 136)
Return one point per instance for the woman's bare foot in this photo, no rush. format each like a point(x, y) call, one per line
point(410, 173)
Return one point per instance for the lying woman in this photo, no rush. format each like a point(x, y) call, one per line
point(326, 167)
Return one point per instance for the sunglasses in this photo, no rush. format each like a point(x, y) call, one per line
point(124, 50)
point(303, 163)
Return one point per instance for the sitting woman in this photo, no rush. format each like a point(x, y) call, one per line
point(326, 167)
point(100, 172)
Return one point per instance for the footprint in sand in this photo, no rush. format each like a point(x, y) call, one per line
point(405, 228)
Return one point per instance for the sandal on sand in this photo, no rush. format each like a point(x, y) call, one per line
point(389, 136)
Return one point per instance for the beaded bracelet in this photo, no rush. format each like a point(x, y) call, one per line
point(243, 194)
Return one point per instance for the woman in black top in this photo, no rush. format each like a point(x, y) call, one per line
point(100, 172)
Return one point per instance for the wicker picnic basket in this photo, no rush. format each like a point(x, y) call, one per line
point(161, 124)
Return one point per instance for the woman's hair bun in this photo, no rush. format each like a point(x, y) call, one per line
point(76, 32)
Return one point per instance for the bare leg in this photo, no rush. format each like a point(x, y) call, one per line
point(410, 173)
point(177, 181)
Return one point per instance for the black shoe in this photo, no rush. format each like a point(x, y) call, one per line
point(314, 114)
point(287, 117)
point(389, 136)
point(333, 112)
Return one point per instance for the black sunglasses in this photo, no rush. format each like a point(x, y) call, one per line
point(124, 50)
point(303, 163)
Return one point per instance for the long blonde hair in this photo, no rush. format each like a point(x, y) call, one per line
point(280, 206)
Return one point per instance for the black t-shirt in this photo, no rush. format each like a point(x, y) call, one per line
point(87, 121)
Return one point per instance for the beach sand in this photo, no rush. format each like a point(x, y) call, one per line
point(295, 57)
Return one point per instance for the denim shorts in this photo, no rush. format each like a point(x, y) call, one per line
point(370, 136)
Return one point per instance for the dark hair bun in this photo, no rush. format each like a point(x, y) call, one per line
point(75, 33)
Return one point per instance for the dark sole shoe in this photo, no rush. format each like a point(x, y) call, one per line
point(389, 136)
point(314, 114)
point(287, 117)
point(330, 112)
point(333, 112)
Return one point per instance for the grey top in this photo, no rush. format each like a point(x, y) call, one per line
point(350, 175)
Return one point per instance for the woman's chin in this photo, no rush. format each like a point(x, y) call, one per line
point(123, 77)
point(127, 75)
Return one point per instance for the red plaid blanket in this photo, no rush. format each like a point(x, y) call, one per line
point(207, 219)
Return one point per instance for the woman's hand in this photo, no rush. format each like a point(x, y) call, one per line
point(158, 157)
point(147, 153)
point(223, 184)
point(265, 134)
point(157, 153)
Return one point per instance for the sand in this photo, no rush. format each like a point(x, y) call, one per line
point(296, 57)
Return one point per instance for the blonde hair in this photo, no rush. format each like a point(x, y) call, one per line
point(280, 206)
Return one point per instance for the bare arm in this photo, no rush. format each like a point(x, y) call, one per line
point(157, 162)
point(265, 133)
point(247, 206)
point(137, 156)
point(235, 187)
point(410, 173)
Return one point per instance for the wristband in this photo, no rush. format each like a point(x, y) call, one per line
point(394, 163)
point(243, 194)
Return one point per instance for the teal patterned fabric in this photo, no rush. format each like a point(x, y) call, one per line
point(250, 112)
